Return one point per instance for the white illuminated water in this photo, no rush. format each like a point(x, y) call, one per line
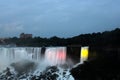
point(53, 56)
point(9, 55)
point(20, 53)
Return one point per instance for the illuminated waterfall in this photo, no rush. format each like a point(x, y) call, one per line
point(55, 55)
point(84, 54)
point(20, 53)
point(52, 55)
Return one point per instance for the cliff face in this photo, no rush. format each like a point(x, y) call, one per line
point(102, 68)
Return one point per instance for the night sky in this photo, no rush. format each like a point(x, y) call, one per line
point(62, 18)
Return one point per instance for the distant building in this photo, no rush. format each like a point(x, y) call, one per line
point(23, 35)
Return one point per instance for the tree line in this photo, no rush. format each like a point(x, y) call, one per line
point(106, 39)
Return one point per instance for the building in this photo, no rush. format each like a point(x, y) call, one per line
point(23, 35)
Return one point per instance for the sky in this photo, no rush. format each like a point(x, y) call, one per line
point(62, 18)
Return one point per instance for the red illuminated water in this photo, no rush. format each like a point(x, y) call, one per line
point(55, 56)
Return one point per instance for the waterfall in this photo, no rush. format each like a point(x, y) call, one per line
point(18, 53)
point(52, 55)
point(84, 54)
point(55, 55)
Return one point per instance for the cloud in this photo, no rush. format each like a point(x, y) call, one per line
point(57, 16)
point(10, 29)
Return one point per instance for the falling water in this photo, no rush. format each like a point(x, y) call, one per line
point(20, 58)
point(52, 56)
point(55, 55)
point(20, 53)
point(84, 54)
point(15, 54)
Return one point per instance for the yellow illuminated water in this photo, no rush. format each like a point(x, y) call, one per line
point(84, 54)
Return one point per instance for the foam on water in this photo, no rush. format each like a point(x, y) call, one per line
point(52, 56)
point(10, 55)
point(20, 59)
